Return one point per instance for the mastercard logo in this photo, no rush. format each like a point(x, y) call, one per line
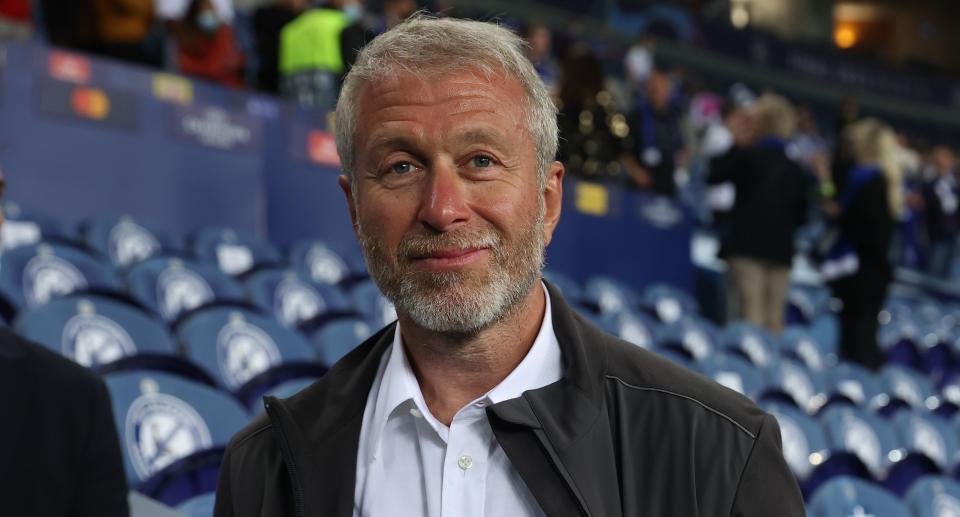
point(90, 102)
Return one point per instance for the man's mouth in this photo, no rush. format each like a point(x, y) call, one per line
point(451, 258)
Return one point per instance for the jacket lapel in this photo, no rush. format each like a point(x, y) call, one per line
point(324, 447)
point(575, 453)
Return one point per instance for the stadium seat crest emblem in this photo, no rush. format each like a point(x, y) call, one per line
point(130, 243)
point(180, 290)
point(47, 275)
point(243, 351)
point(296, 302)
point(160, 429)
point(91, 340)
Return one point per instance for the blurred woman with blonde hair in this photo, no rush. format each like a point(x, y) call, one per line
point(869, 201)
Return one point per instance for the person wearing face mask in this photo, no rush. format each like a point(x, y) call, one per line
point(207, 47)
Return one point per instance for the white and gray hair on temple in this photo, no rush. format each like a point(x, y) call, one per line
point(433, 47)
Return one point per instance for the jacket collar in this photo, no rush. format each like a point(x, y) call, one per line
point(321, 424)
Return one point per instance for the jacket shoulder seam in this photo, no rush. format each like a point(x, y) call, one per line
point(687, 397)
point(253, 434)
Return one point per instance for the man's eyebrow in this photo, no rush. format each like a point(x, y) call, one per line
point(481, 135)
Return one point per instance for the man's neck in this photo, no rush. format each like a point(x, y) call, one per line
point(454, 370)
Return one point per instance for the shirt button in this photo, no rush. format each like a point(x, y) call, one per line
point(465, 462)
point(416, 412)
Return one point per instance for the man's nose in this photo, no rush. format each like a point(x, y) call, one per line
point(444, 203)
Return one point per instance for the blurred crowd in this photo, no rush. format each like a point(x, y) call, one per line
point(768, 177)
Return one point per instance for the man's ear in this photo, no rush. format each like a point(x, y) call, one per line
point(347, 186)
point(552, 200)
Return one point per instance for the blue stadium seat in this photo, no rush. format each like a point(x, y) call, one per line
point(691, 336)
point(796, 342)
point(871, 438)
point(803, 386)
point(569, 287)
point(338, 337)
point(608, 295)
point(901, 342)
point(320, 262)
point(236, 345)
point(199, 506)
point(33, 275)
point(124, 240)
point(851, 497)
point(753, 343)
point(667, 303)
point(173, 286)
point(372, 304)
point(805, 303)
point(292, 298)
point(853, 382)
point(804, 443)
point(233, 252)
point(24, 227)
point(934, 496)
point(634, 327)
point(824, 331)
point(733, 372)
point(930, 435)
point(910, 387)
point(172, 431)
point(93, 330)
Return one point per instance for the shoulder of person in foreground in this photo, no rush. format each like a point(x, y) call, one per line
point(719, 417)
point(69, 396)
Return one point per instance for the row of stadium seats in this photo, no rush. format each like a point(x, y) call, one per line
point(189, 334)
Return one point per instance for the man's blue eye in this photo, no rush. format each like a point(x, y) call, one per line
point(482, 161)
point(402, 167)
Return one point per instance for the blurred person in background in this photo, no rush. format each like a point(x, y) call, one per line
point(365, 26)
point(15, 19)
point(539, 41)
point(59, 451)
point(940, 197)
point(593, 135)
point(311, 59)
point(656, 139)
point(207, 46)
point(268, 21)
point(870, 199)
point(124, 30)
point(765, 194)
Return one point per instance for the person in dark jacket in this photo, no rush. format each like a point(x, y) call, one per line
point(60, 455)
point(869, 201)
point(489, 395)
point(268, 21)
point(765, 194)
point(940, 199)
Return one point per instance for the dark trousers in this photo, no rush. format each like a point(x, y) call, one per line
point(863, 295)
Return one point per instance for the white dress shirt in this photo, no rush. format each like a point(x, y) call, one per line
point(410, 464)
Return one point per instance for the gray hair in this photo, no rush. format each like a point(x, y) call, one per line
point(428, 46)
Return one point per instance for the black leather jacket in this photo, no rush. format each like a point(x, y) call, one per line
point(623, 433)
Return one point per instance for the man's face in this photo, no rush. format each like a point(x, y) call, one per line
point(446, 202)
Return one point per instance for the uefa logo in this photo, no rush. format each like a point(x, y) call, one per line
point(161, 429)
point(92, 340)
point(295, 302)
point(46, 276)
point(244, 351)
point(324, 265)
point(130, 243)
point(180, 290)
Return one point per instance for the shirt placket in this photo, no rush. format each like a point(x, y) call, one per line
point(465, 464)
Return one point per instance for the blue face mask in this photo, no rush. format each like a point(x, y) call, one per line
point(353, 11)
point(208, 21)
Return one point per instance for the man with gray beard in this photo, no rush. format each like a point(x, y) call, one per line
point(489, 396)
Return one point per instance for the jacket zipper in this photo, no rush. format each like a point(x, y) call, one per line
point(288, 461)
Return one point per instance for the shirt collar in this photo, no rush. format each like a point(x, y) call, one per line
point(398, 385)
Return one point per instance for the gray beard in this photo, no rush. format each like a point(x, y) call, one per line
point(458, 302)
